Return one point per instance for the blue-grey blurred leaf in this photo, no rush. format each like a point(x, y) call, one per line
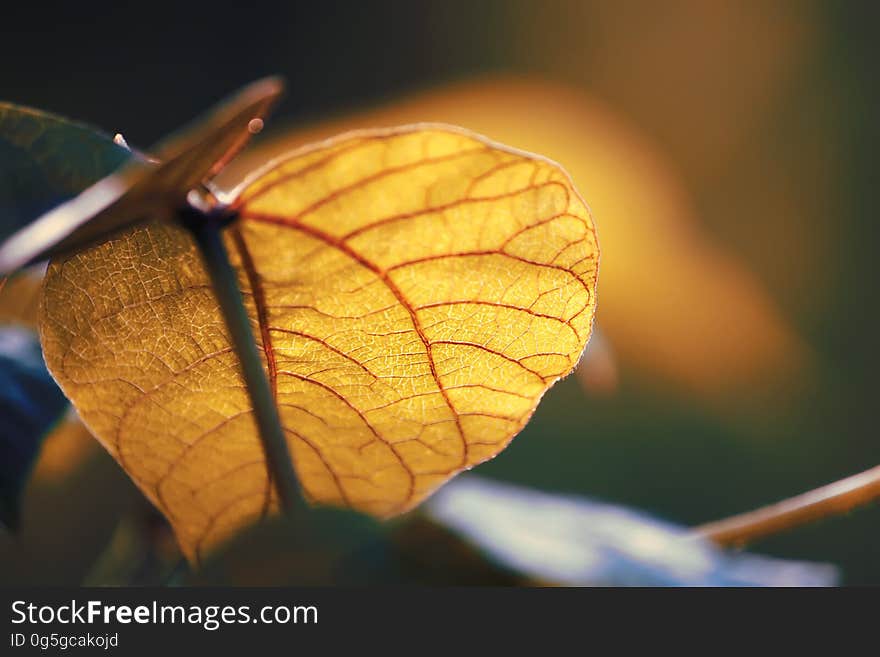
point(46, 160)
point(578, 542)
point(30, 403)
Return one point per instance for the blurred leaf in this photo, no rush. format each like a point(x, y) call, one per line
point(431, 554)
point(143, 189)
point(578, 542)
point(20, 297)
point(478, 532)
point(333, 547)
point(45, 160)
point(30, 403)
point(141, 552)
point(417, 290)
point(64, 450)
point(313, 547)
point(597, 371)
point(67, 518)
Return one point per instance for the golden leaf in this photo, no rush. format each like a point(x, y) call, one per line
point(414, 292)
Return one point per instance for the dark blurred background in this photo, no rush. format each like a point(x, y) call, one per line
point(728, 152)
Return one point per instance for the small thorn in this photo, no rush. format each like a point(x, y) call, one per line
point(120, 141)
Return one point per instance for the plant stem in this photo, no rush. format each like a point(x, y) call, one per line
point(206, 230)
point(836, 498)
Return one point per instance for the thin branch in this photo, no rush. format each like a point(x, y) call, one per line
point(206, 231)
point(833, 499)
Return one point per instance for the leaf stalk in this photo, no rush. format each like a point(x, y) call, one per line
point(206, 229)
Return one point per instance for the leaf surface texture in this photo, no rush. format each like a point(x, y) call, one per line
point(414, 292)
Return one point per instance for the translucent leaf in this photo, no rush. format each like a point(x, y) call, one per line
point(414, 292)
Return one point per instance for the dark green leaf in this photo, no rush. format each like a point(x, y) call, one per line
point(145, 189)
point(45, 160)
